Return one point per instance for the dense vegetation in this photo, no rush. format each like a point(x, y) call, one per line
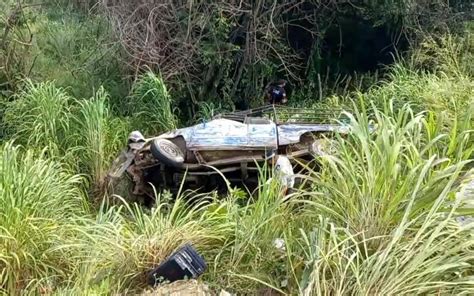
point(380, 216)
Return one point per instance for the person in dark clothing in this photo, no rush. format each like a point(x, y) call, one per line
point(276, 94)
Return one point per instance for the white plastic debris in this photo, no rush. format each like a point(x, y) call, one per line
point(284, 171)
point(466, 197)
point(224, 293)
point(279, 243)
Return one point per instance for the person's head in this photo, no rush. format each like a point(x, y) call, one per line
point(281, 82)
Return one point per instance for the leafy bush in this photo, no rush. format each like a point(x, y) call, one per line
point(54, 41)
point(80, 54)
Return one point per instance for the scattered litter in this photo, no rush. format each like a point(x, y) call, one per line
point(184, 264)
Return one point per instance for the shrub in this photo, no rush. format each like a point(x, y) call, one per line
point(74, 49)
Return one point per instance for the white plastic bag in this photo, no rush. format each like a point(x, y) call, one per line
point(284, 171)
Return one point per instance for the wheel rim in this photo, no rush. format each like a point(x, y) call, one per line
point(171, 150)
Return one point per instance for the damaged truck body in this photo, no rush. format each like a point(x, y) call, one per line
point(230, 146)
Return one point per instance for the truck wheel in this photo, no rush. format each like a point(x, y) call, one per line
point(167, 152)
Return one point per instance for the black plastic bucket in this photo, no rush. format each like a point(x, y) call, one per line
point(185, 263)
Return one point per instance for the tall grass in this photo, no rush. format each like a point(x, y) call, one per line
point(372, 178)
point(38, 198)
point(51, 242)
point(383, 215)
point(207, 111)
point(123, 243)
point(450, 54)
point(151, 105)
point(249, 261)
point(81, 132)
point(39, 116)
point(439, 92)
point(97, 135)
point(435, 258)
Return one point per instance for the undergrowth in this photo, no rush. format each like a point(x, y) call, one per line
point(378, 216)
point(379, 219)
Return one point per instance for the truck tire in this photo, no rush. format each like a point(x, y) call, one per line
point(167, 152)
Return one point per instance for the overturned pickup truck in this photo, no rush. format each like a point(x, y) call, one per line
point(231, 145)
